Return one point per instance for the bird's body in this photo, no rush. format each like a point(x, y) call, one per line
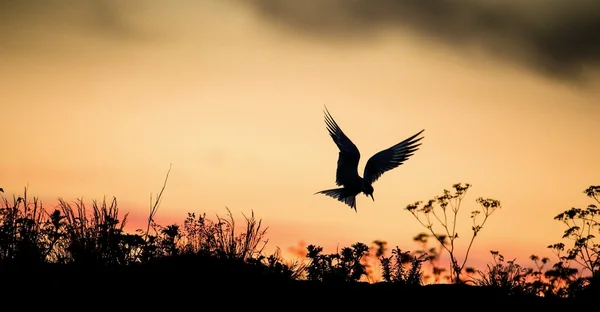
point(347, 175)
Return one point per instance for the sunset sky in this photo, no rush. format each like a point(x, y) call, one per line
point(98, 98)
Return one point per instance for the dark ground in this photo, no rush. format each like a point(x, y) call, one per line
point(209, 285)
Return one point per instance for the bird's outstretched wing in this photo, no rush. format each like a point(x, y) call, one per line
point(390, 158)
point(347, 165)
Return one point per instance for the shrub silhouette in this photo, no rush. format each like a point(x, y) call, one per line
point(427, 214)
point(510, 278)
point(402, 267)
point(507, 277)
point(345, 266)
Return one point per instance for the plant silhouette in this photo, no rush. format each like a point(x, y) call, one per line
point(402, 267)
point(450, 202)
point(78, 245)
point(345, 266)
point(433, 254)
point(584, 250)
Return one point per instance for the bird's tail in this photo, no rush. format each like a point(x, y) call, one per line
point(342, 195)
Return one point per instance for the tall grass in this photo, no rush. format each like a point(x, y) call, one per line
point(82, 235)
point(76, 234)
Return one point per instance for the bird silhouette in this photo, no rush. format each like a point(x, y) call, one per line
point(347, 165)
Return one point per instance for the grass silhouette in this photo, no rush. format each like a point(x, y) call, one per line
point(76, 249)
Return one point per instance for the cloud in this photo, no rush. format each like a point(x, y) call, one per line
point(556, 37)
point(38, 25)
point(560, 38)
point(97, 14)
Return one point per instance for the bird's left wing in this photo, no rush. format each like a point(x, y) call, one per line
point(347, 165)
point(390, 158)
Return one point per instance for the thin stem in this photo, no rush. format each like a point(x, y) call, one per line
point(471, 243)
point(154, 208)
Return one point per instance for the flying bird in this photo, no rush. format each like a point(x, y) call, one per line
point(346, 174)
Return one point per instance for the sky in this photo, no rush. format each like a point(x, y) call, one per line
point(100, 97)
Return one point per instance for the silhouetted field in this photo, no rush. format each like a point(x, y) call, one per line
point(179, 279)
point(79, 256)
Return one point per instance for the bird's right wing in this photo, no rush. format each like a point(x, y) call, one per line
point(390, 158)
point(347, 165)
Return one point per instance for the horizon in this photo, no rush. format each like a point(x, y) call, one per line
point(101, 97)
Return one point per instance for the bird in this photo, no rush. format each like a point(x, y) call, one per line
point(347, 164)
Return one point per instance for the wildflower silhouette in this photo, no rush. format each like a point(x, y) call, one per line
point(347, 165)
point(583, 227)
point(426, 214)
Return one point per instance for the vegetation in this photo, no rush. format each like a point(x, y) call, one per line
point(74, 237)
point(427, 215)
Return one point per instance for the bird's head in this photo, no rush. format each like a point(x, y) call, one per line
point(368, 190)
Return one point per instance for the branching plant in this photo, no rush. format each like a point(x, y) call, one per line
point(448, 206)
point(582, 228)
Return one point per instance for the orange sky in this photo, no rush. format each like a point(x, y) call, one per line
point(99, 100)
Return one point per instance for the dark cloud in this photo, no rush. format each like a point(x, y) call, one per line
point(558, 37)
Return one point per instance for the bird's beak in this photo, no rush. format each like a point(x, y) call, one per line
point(372, 197)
